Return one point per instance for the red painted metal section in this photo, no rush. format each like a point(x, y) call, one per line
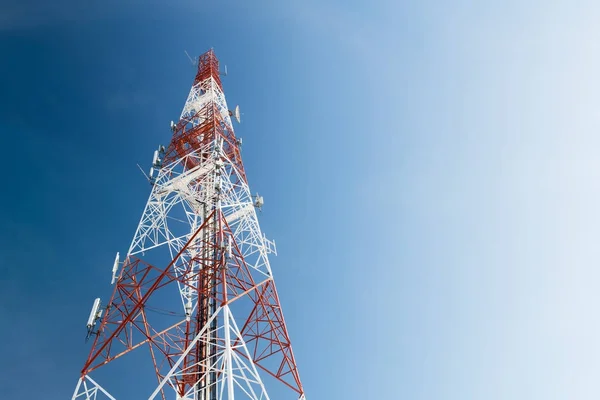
point(208, 65)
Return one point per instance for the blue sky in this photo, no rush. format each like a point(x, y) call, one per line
point(429, 170)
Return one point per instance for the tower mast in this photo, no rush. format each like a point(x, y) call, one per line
point(195, 291)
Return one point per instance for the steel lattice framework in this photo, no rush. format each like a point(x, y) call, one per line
point(198, 242)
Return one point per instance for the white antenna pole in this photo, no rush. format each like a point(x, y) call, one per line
point(192, 60)
point(143, 171)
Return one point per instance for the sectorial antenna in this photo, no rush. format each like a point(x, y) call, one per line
point(229, 248)
point(115, 269)
point(95, 314)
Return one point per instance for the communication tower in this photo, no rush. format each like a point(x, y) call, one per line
point(195, 291)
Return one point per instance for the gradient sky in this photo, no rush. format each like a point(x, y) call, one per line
point(429, 171)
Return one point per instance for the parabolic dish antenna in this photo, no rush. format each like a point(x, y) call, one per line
point(235, 113)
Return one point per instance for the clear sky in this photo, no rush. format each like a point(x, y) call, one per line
point(430, 173)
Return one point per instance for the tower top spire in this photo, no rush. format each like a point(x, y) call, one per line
point(208, 66)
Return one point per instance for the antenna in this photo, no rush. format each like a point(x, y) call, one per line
point(225, 73)
point(92, 318)
point(115, 268)
point(236, 113)
point(192, 60)
point(95, 313)
point(173, 126)
point(259, 202)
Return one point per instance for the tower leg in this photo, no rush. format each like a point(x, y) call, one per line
point(89, 389)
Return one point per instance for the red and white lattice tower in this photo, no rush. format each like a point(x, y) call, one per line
point(195, 291)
